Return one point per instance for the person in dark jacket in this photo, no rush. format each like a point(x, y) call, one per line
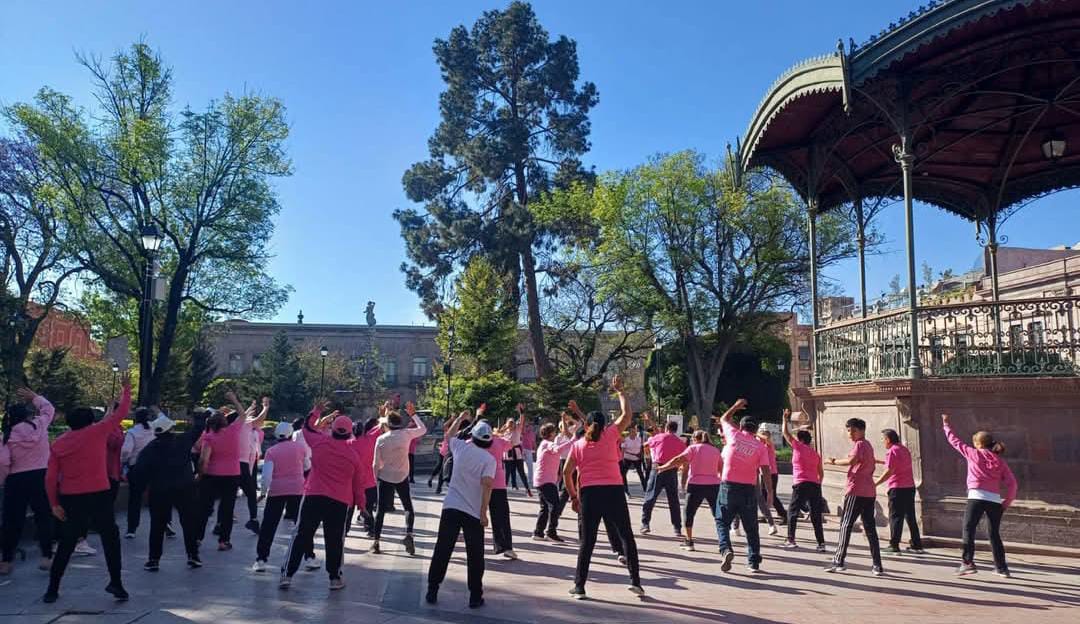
point(164, 468)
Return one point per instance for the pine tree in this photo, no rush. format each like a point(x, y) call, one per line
point(284, 377)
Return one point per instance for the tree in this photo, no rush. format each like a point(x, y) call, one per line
point(927, 274)
point(202, 369)
point(497, 389)
point(483, 322)
point(514, 125)
point(713, 257)
point(203, 179)
point(282, 378)
point(36, 265)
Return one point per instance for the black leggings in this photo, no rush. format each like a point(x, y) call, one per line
point(222, 489)
point(550, 510)
point(514, 469)
point(314, 511)
point(972, 515)
point(162, 502)
point(695, 494)
point(499, 509)
point(22, 490)
point(803, 494)
point(451, 523)
point(250, 487)
point(136, 491)
point(625, 465)
point(412, 468)
point(605, 503)
point(87, 510)
point(438, 472)
point(275, 506)
point(386, 498)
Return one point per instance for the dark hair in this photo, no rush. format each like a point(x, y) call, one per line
point(394, 420)
point(891, 436)
point(483, 443)
point(595, 425)
point(370, 424)
point(672, 426)
point(547, 429)
point(216, 422)
point(701, 436)
point(341, 435)
point(804, 436)
point(856, 423)
point(298, 424)
point(142, 417)
point(748, 424)
point(986, 440)
point(16, 413)
point(80, 417)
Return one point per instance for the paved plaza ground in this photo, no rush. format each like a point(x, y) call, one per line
point(680, 586)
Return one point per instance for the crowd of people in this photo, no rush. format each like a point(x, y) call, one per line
point(325, 470)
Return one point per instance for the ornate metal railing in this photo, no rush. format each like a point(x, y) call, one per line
point(977, 339)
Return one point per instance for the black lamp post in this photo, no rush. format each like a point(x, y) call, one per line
point(657, 346)
point(151, 242)
point(323, 351)
point(448, 367)
point(112, 391)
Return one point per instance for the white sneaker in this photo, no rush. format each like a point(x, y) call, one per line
point(835, 568)
point(84, 549)
point(129, 535)
point(284, 582)
point(338, 583)
point(312, 564)
point(773, 530)
point(510, 554)
point(259, 566)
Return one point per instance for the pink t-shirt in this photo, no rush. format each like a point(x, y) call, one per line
point(898, 460)
point(665, 447)
point(498, 448)
point(364, 447)
point(288, 459)
point(548, 460)
point(804, 463)
point(225, 448)
point(335, 468)
point(860, 477)
point(743, 455)
point(28, 443)
point(528, 438)
point(705, 463)
point(598, 462)
point(771, 450)
point(412, 446)
point(985, 470)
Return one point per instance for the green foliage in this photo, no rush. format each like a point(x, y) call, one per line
point(484, 322)
point(497, 389)
point(67, 381)
point(282, 378)
point(553, 393)
point(201, 369)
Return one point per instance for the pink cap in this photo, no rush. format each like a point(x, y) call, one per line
point(342, 424)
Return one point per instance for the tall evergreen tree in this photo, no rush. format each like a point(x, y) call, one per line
point(283, 376)
point(514, 125)
point(484, 321)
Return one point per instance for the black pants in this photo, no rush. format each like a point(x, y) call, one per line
point(272, 512)
point(861, 507)
point(221, 489)
point(803, 494)
point(625, 465)
point(330, 514)
point(451, 523)
point(600, 503)
point(499, 510)
point(92, 510)
point(667, 481)
point(972, 515)
point(551, 509)
point(695, 494)
point(186, 503)
point(386, 499)
point(412, 468)
point(438, 472)
point(22, 490)
point(516, 468)
point(901, 510)
point(136, 492)
point(777, 505)
point(250, 488)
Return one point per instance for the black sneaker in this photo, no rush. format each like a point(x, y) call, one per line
point(118, 591)
point(193, 561)
point(410, 544)
point(50, 596)
point(727, 556)
point(169, 532)
point(475, 602)
point(893, 550)
point(152, 565)
point(217, 529)
point(555, 538)
point(432, 595)
point(253, 526)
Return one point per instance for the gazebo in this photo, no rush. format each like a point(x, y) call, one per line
point(972, 106)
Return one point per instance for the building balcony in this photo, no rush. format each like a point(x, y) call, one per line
point(1024, 337)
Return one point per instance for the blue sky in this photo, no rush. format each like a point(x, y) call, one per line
point(361, 88)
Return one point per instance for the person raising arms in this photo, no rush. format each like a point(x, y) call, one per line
point(26, 443)
point(598, 494)
point(546, 478)
point(703, 481)
point(745, 459)
point(391, 464)
point(806, 475)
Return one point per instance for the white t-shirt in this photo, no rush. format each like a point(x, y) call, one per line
point(471, 465)
point(632, 448)
point(391, 462)
point(984, 495)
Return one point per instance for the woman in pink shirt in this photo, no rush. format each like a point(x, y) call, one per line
point(598, 495)
point(703, 481)
point(546, 479)
point(26, 440)
point(283, 478)
point(219, 468)
point(806, 474)
point(987, 474)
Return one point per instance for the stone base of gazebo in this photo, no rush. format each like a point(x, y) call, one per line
point(1038, 419)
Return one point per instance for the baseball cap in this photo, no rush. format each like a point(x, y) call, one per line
point(481, 431)
point(162, 423)
point(342, 424)
point(283, 430)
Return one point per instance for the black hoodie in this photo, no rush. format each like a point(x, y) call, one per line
point(165, 463)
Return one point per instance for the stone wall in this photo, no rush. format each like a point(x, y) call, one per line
point(1037, 419)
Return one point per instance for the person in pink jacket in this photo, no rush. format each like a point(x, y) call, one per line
point(26, 444)
point(987, 476)
point(77, 483)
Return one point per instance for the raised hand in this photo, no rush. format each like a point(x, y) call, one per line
point(944, 419)
point(617, 383)
point(410, 409)
point(739, 405)
point(266, 402)
point(230, 396)
point(520, 408)
point(480, 411)
point(787, 414)
point(125, 379)
point(26, 395)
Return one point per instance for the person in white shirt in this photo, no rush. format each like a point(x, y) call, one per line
point(391, 466)
point(465, 509)
point(250, 448)
point(135, 440)
point(631, 450)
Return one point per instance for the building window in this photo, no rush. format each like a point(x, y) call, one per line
point(236, 363)
point(804, 354)
point(389, 373)
point(804, 380)
point(256, 363)
point(419, 369)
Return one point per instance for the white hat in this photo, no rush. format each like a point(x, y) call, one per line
point(162, 423)
point(481, 431)
point(283, 430)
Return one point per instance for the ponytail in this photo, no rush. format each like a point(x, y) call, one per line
point(592, 434)
point(998, 448)
point(985, 440)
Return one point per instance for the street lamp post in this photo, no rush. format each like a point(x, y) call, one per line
point(115, 370)
point(323, 351)
point(657, 346)
point(448, 367)
point(151, 242)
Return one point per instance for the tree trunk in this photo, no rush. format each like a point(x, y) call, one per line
point(168, 333)
point(704, 374)
point(536, 329)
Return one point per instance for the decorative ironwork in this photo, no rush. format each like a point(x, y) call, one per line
point(1028, 337)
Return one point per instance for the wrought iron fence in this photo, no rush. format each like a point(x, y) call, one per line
point(977, 339)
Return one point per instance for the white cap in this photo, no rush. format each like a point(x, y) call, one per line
point(481, 431)
point(162, 423)
point(283, 430)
